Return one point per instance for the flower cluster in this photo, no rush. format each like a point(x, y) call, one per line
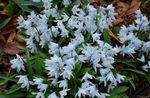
point(82, 28)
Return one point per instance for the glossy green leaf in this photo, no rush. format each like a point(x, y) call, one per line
point(119, 90)
point(25, 5)
point(6, 79)
point(135, 71)
point(78, 67)
point(4, 23)
point(106, 36)
point(125, 61)
point(84, 70)
point(12, 90)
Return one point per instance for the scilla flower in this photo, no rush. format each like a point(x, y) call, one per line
point(17, 63)
point(23, 80)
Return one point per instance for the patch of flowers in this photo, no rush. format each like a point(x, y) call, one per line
point(72, 39)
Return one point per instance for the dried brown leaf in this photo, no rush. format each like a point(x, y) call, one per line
point(135, 4)
point(11, 48)
point(11, 36)
point(2, 41)
point(113, 36)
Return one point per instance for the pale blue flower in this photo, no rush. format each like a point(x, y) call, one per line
point(23, 80)
point(53, 95)
point(17, 63)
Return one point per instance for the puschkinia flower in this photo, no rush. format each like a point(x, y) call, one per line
point(39, 95)
point(17, 63)
point(40, 85)
point(88, 89)
point(23, 80)
point(53, 95)
point(142, 22)
point(75, 36)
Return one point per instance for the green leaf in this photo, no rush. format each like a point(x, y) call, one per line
point(42, 54)
point(124, 96)
point(17, 94)
point(84, 70)
point(78, 67)
point(28, 62)
point(21, 37)
point(21, 47)
point(125, 61)
point(6, 79)
point(12, 90)
point(119, 90)
point(130, 80)
point(106, 36)
point(4, 23)
point(135, 71)
point(25, 5)
point(38, 66)
point(147, 77)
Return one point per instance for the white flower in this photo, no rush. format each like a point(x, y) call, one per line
point(141, 21)
point(55, 60)
point(17, 63)
point(66, 2)
point(77, 11)
point(146, 67)
point(127, 50)
point(110, 77)
point(119, 77)
point(63, 83)
point(87, 76)
point(23, 80)
point(54, 81)
point(42, 87)
point(63, 93)
point(146, 47)
point(39, 95)
point(64, 31)
point(102, 79)
point(89, 89)
point(65, 17)
point(103, 95)
point(30, 44)
point(81, 92)
point(54, 66)
point(68, 49)
point(79, 38)
point(92, 11)
point(21, 22)
point(53, 95)
point(96, 37)
point(135, 42)
point(67, 72)
point(37, 81)
point(107, 16)
point(53, 48)
point(104, 71)
point(45, 38)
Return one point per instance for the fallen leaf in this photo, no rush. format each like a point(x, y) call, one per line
point(135, 4)
point(4, 12)
point(117, 21)
point(11, 48)
point(2, 41)
point(113, 36)
point(11, 36)
point(11, 26)
point(96, 3)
